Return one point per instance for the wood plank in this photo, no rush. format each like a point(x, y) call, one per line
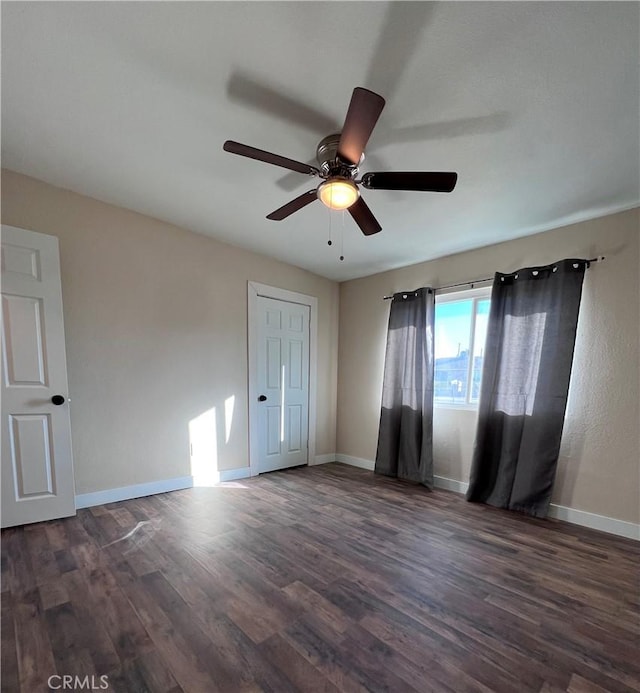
point(8, 656)
point(68, 642)
point(56, 535)
point(91, 619)
point(53, 594)
point(192, 668)
point(297, 668)
point(106, 598)
point(156, 673)
point(18, 574)
point(65, 560)
point(35, 656)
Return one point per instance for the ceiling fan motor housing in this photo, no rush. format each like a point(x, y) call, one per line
point(330, 164)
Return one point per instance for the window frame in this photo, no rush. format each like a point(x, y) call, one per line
point(475, 294)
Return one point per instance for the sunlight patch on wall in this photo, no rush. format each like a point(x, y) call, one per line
point(204, 448)
point(229, 405)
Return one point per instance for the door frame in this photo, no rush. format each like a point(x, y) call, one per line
point(255, 289)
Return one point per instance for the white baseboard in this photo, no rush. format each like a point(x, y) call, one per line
point(438, 481)
point(234, 474)
point(323, 459)
point(355, 461)
point(630, 530)
point(450, 484)
point(113, 495)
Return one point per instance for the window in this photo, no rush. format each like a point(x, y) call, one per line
point(460, 332)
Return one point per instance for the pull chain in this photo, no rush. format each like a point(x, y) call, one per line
point(342, 239)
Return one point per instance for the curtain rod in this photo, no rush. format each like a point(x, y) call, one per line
point(600, 258)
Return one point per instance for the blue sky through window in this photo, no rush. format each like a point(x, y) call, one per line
point(453, 342)
point(452, 328)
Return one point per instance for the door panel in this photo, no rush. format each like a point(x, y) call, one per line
point(283, 378)
point(23, 344)
point(273, 363)
point(37, 467)
point(20, 261)
point(30, 438)
point(296, 364)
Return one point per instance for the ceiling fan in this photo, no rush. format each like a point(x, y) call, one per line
point(340, 157)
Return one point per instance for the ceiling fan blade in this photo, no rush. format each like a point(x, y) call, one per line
point(293, 206)
point(427, 182)
point(364, 110)
point(364, 218)
point(269, 158)
point(291, 181)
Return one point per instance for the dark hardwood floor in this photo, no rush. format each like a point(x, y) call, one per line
point(318, 579)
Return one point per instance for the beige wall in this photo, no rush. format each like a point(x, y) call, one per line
point(600, 456)
point(156, 329)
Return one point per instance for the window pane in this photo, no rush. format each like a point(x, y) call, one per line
point(452, 331)
point(479, 338)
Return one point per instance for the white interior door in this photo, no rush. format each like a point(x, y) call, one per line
point(282, 384)
point(37, 467)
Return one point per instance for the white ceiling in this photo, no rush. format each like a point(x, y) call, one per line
point(535, 105)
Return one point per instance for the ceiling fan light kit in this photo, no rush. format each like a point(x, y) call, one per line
point(340, 156)
point(338, 193)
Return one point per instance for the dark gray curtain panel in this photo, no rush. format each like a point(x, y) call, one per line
point(525, 382)
point(405, 439)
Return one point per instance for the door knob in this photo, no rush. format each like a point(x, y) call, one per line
point(57, 400)
point(262, 398)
